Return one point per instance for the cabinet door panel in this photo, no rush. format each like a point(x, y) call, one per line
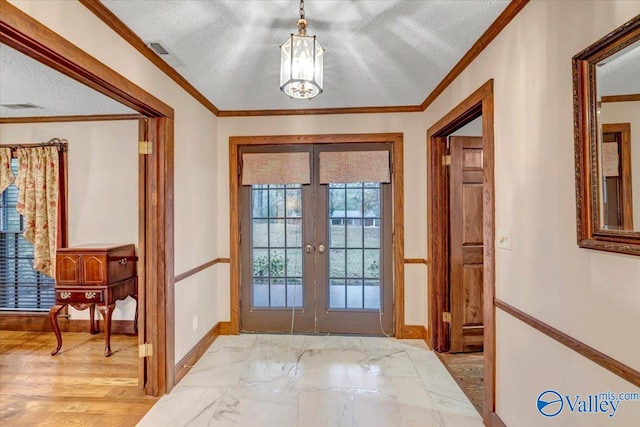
point(68, 269)
point(94, 269)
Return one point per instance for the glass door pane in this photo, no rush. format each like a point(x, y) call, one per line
point(276, 246)
point(354, 220)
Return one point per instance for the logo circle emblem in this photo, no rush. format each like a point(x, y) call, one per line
point(550, 403)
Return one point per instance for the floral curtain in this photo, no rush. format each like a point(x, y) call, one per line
point(6, 175)
point(38, 202)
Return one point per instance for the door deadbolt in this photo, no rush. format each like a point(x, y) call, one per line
point(308, 249)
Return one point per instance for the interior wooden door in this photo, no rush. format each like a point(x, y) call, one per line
point(466, 244)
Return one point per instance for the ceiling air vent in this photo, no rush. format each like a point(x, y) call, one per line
point(163, 53)
point(20, 106)
point(157, 47)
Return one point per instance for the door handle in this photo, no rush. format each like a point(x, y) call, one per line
point(321, 249)
point(308, 249)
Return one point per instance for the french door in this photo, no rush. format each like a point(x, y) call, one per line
point(317, 257)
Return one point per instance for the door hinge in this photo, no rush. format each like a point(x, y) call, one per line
point(145, 350)
point(446, 317)
point(145, 147)
point(446, 160)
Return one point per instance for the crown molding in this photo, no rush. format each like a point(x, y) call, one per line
point(492, 32)
point(621, 98)
point(314, 111)
point(60, 119)
point(106, 16)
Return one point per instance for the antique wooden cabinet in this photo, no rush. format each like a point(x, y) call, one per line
point(95, 264)
point(94, 275)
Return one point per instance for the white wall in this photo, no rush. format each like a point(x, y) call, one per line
point(628, 112)
point(473, 128)
point(410, 124)
point(195, 187)
point(590, 295)
point(102, 183)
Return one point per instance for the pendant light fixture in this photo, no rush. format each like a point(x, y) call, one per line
point(301, 63)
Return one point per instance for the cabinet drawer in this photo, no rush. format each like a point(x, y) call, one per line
point(85, 295)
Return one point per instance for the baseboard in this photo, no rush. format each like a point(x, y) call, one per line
point(186, 363)
point(415, 332)
point(39, 322)
point(495, 421)
point(225, 328)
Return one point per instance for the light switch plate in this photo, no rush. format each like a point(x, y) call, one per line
point(195, 322)
point(503, 239)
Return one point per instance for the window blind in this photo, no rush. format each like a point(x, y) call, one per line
point(21, 287)
point(354, 166)
point(275, 168)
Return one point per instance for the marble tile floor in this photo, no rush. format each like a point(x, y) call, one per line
point(307, 381)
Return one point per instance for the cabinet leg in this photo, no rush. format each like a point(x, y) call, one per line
point(53, 318)
point(93, 324)
point(107, 311)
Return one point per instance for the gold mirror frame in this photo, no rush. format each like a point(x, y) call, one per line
point(590, 233)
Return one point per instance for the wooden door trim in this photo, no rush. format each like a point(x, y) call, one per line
point(624, 129)
point(478, 103)
point(396, 139)
point(156, 250)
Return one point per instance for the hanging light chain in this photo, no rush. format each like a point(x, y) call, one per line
point(302, 22)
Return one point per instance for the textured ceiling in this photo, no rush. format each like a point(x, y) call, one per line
point(620, 74)
point(378, 52)
point(27, 81)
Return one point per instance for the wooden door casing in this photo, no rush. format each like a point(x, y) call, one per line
point(622, 207)
point(466, 244)
point(397, 177)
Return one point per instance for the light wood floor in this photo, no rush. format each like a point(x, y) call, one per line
point(468, 371)
point(77, 387)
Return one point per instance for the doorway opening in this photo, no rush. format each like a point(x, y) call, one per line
point(20, 31)
point(464, 358)
point(461, 248)
point(324, 252)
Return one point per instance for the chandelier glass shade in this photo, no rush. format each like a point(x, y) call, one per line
point(301, 63)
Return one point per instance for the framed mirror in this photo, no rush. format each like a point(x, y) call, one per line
point(606, 88)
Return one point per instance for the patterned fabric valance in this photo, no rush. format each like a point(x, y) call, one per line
point(275, 168)
point(354, 166)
